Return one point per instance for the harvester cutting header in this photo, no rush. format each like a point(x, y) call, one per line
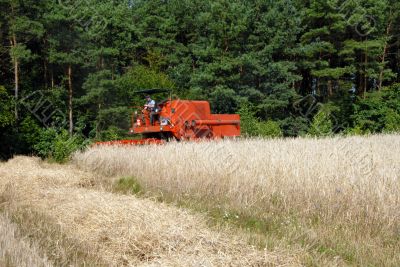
point(178, 119)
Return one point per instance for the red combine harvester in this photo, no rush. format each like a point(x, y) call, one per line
point(179, 120)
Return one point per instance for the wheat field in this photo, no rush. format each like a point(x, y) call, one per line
point(340, 195)
point(76, 223)
point(246, 202)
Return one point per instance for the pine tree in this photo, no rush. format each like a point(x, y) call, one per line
point(64, 37)
point(21, 25)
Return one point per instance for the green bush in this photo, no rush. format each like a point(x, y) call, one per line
point(392, 121)
point(322, 123)
point(252, 126)
point(269, 129)
point(58, 145)
point(378, 112)
point(248, 122)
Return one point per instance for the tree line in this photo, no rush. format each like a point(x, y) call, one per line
point(290, 67)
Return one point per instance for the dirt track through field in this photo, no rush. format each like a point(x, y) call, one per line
point(123, 230)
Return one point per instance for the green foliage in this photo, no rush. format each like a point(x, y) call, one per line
point(44, 147)
point(58, 145)
point(100, 90)
point(108, 100)
point(266, 53)
point(252, 126)
point(343, 41)
point(322, 124)
point(248, 122)
point(6, 108)
point(113, 133)
point(295, 126)
point(128, 185)
point(269, 128)
point(223, 100)
point(29, 131)
point(392, 121)
point(141, 77)
point(113, 122)
point(378, 111)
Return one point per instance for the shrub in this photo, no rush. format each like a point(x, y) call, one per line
point(392, 121)
point(378, 111)
point(269, 128)
point(321, 125)
point(322, 122)
point(58, 145)
point(248, 122)
point(252, 126)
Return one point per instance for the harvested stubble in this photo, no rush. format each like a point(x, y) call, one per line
point(15, 250)
point(123, 230)
point(344, 191)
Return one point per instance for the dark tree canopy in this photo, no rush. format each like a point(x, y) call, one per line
point(304, 67)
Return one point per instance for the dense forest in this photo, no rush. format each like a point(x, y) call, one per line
point(69, 69)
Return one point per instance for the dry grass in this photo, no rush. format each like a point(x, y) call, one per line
point(339, 197)
point(15, 250)
point(118, 230)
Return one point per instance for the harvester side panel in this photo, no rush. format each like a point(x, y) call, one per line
point(226, 125)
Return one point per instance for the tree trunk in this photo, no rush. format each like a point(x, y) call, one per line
point(45, 68)
point(101, 62)
point(330, 90)
point(329, 83)
point(360, 78)
point(365, 72)
point(45, 73)
point(97, 123)
point(52, 77)
point(13, 42)
point(71, 123)
point(384, 55)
